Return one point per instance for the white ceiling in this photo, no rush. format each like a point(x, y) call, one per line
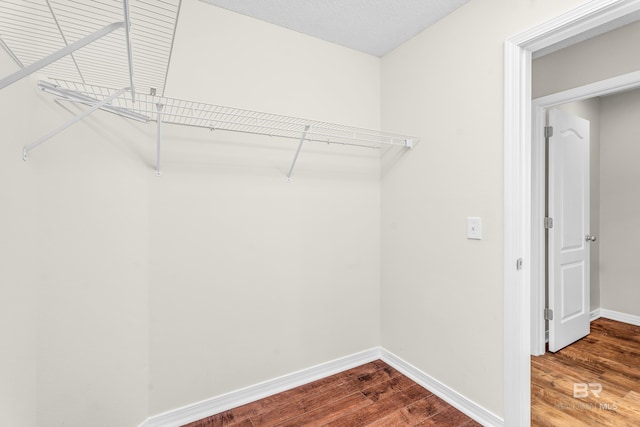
point(375, 27)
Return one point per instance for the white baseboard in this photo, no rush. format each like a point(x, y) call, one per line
point(595, 315)
point(196, 411)
point(452, 397)
point(215, 405)
point(616, 315)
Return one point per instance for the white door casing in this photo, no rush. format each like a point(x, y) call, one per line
point(519, 165)
point(568, 259)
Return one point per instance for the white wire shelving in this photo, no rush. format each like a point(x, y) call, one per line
point(165, 110)
point(89, 50)
point(31, 30)
point(211, 116)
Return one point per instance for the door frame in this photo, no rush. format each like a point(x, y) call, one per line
point(538, 154)
point(519, 191)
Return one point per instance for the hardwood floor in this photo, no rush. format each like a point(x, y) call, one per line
point(609, 356)
point(374, 394)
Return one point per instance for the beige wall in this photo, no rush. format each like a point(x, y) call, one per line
point(620, 205)
point(219, 275)
point(147, 293)
point(254, 277)
point(442, 295)
point(19, 258)
point(590, 110)
point(93, 240)
point(608, 55)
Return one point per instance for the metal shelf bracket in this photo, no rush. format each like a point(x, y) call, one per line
point(159, 107)
point(98, 105)
point(295, 158)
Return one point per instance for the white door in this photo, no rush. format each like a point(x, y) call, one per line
point(569, 239)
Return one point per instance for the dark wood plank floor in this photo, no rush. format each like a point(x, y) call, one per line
point(610, 356)
point(374, 394)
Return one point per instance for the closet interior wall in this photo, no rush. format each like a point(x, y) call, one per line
point(281, 276)
point(443, 294)
point(147, 293)
point(19, 255)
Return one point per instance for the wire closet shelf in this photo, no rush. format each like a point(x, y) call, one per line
point(120, 36)
point(217, 117)
point(88, 51)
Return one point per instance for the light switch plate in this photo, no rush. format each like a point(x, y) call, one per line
point(474, 228)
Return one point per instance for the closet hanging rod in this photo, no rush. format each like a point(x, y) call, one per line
point(73, 96)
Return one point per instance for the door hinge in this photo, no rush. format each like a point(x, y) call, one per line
point(519, 264)
point(548, 131)
point(548, 314)
point(548, 222)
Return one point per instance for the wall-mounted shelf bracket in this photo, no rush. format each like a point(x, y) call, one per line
point(98, 105)
point(32, 68)
point(295, 158)
point(159, 109)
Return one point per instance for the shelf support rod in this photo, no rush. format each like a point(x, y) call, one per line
point(13, 56)
point(127, 32)
point(64, 39)
point(28, 148)
point(30, 69)
point(295, 158)
point(159, 108)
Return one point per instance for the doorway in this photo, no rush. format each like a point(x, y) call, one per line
point(522, 258)
point(540, 107)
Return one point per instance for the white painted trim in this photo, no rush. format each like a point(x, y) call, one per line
point(595, 315)
point(517, 283)
point(609, 86)
point(539, 334)
point(196, 411)
point(449, 395)
point(574, 22)
point(620, 317)
point(517, 190)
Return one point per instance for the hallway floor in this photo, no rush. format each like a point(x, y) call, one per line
point(602, 370)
